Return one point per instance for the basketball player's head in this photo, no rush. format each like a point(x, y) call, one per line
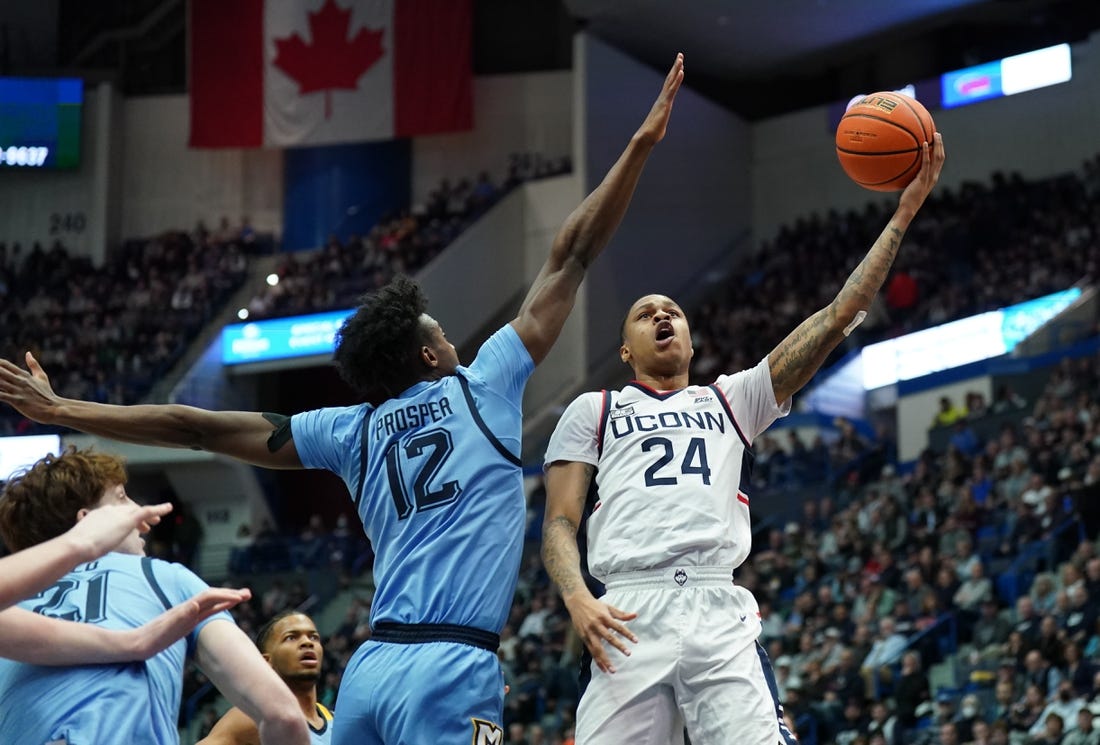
point(390, 343)
point(655, 337)
point(58, 491)
point(291, 645)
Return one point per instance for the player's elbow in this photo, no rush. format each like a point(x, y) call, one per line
point(844, 314)
point(284, 724)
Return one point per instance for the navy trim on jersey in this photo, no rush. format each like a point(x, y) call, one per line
point(147, 570)
point(769, 676)
point(729, 412)
point(652, 392)
point(363, 456)
point(513, 459)
point(605, 412)
point(324, 722)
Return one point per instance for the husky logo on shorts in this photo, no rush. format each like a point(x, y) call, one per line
point(681, 577)
point(487, 733)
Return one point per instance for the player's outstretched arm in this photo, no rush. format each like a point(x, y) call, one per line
point(235, 728)
point(39, 640)
point(33, 569)
point(242, 675)
point(589, 229)
point(596, 622)
point(242, 435)
point(799, 356)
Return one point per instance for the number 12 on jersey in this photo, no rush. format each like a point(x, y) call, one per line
point(420, 459)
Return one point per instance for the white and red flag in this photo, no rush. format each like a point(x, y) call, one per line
point(313, 72)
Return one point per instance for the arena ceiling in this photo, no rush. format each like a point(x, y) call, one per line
point(764, 57)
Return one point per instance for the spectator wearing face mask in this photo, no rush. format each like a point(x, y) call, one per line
point(1064, 704)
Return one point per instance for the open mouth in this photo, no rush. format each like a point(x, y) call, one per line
point(309, 659)
point(665, 331)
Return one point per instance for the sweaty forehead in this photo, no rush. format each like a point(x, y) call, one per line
point(652, 301)
point(296, 623)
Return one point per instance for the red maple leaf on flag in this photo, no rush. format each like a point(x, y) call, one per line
point(332, 61)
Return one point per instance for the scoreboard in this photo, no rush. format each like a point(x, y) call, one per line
point(40, 122)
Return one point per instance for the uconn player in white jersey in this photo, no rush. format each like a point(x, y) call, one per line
point(430, 458)
point(672, 518)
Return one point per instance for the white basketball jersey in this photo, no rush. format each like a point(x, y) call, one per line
point(672, 470)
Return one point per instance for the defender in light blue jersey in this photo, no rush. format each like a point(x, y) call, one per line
point(119, 703)
point(431, 459)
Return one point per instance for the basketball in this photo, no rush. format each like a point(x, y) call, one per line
point(878, 141)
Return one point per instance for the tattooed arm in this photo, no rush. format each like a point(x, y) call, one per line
point(596, 622)
point(797, 358)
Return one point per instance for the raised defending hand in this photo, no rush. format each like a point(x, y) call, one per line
point(599, 625)
point(104, 528)
point(29, 393)
point(175, 623)
point(932, 163)
point(653, 128)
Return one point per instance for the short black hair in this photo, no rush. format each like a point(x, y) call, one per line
point(376, 347)
point(263, 636)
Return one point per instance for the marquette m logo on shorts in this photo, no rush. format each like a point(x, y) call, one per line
point(620, 412)
point(681, 577)
point(486, 733)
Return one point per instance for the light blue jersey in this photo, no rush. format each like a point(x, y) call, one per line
point(442, 502)
point(323, 734)
point(435, 476)
point(85, 705)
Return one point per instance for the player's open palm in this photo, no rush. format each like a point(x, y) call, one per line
point(653, 128)
point(29, 393)
point(601, 627)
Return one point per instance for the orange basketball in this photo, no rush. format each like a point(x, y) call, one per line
point(879, 140)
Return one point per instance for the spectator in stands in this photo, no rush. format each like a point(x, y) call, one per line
point(948, 734)
point(1040, 673)
point(1064, 705)
point(1085, 733)
point(970, 711)
point(1051, 731)
point(948, 413)
point(991, 630)
point(911, 690)
point(1004, 700)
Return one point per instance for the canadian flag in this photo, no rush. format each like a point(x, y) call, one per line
point(311, 72)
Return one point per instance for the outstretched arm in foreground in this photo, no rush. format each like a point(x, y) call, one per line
point(33, 569)
point(40, 640)
point(596, 622)
point(589, 229)
point(243, 435)
point(798, 357)
point(243, 676)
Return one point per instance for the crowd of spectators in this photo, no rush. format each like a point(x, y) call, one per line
point(975, 563)
point(974, 248)
point(108, 333)
point(335, 276)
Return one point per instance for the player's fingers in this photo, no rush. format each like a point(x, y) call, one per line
point(622, 615)
point(599, 655)
point(34, 367)
point(217, 599)
point(623, 631)
point(616, 640)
